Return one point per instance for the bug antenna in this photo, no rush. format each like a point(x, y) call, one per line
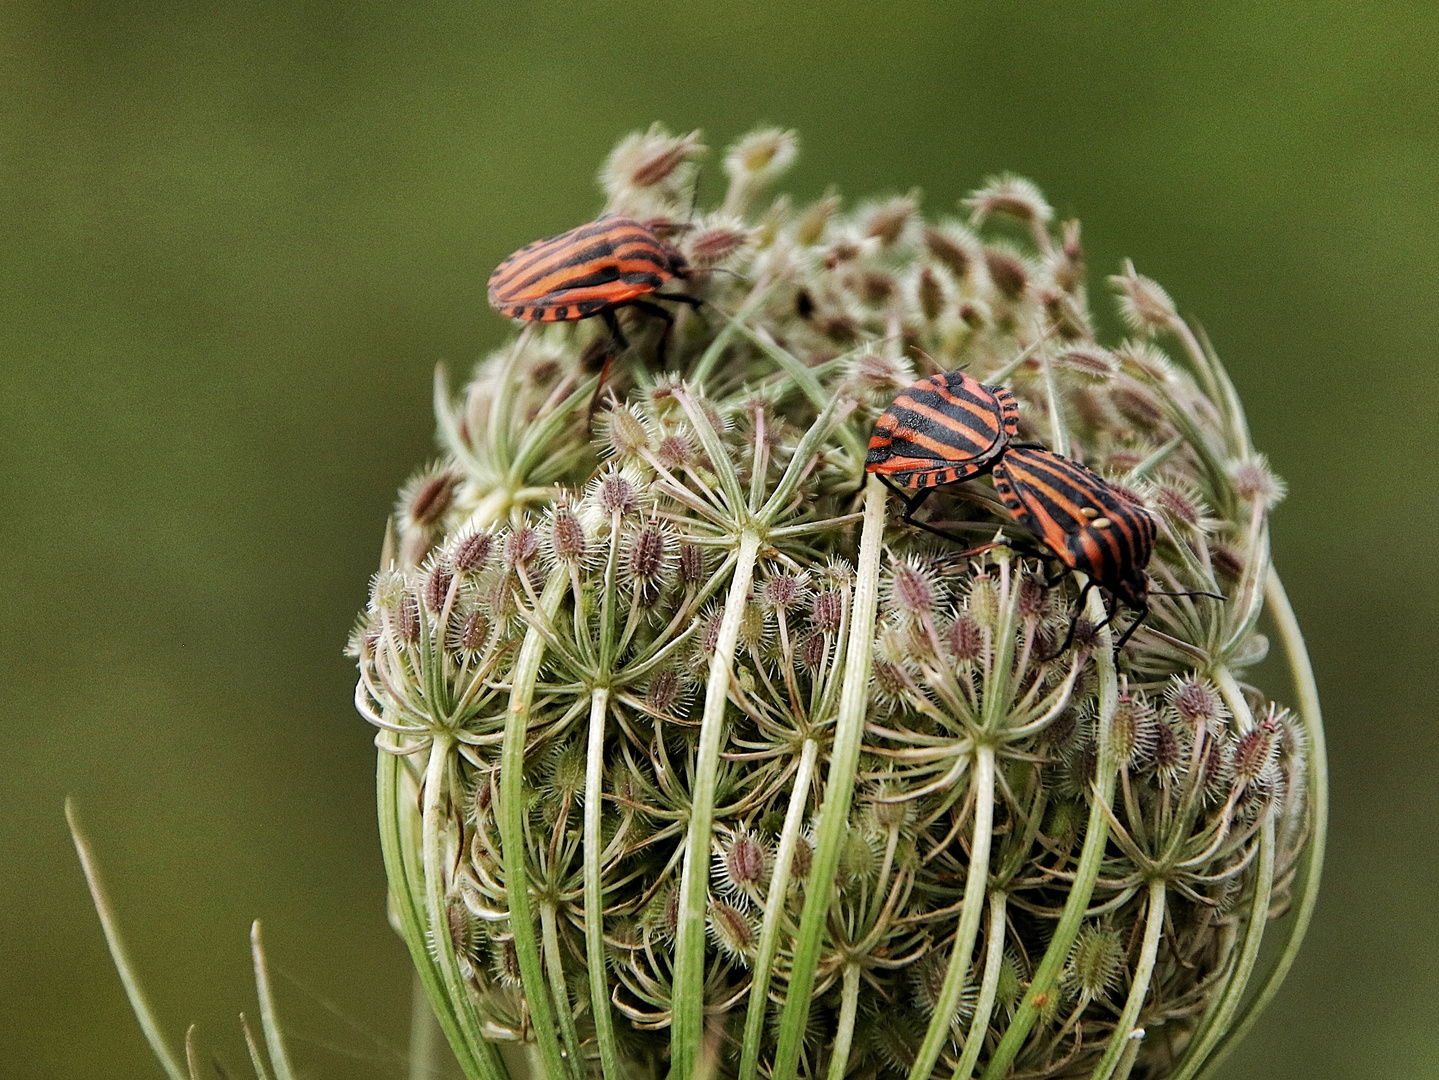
point(1193, 592)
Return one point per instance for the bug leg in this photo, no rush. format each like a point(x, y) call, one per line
point(659, 313)
point(912, 502)
point(613, 325)
point(619, 345)
point(1124, 637)
point(684, 298)
point(1073, 622)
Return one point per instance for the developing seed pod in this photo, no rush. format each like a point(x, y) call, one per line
point(1094, 961)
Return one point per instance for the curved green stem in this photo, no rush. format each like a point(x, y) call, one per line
point(269, 1018)
point(1307, 694)
point(773, 910)
point(687, 1023)
point(1125, 1031)
point(118, 953)
point(988, 989)
point(594, 894)
point(844, 758)
point(512, 834)
point(559, 988)
point(1216, 1024)
point(1045, 983)
point(941, 1024)
point(399, 844)
point(844, 1034)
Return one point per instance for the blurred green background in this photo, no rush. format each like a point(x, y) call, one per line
point(235, 238)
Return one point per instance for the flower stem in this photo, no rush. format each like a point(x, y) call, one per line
point(942, 1022)
point(989, 987)
point(1125, 1031)
point(844, 758)
point(844, 1034)
point(556, 972)
point(1318, 795)
point(687, 1007)
point(269, 1020)
point(399, 825)
point(1046, 977)
point(512, 834)
point(774, 909)
point(133, 990)
point(1216, 1023)
point(594, 895)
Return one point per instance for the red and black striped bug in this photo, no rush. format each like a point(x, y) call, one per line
point(595, 269)
point(940, 430)
point(1090, 525)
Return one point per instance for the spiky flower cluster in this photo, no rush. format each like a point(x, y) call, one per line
point(696, 761)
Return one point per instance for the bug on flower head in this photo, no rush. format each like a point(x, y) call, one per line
point(1090, 525)
point(940, 430)
point(595, 269)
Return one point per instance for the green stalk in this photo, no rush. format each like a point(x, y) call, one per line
point(1124, 1031)
point(773, 910)
point(1196, 1056)
point(1216, 1024)
point(399, 827)
point(1046, 976)
point(559, 988)
point(425, 1034)
point(512, 833)
point(436, 915)
point(844, 1034)
point(844, 757)
point(594, 895)
point(941, 1024)
point(269, 1021)
point(988, 989)
point(687, 1023)
point(138, 1004)
point(1318, 791)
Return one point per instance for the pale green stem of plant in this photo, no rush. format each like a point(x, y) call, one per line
point(844, 1033)
point(556, 971)
point(839, 787)
point(594, 896)
point(269, 1021)
point(1307, 694)
point(425, 1034)
point(988, 988)
point(941, 1024)
point(512, 833)
point(436, 913)
point(1216, 1023)
point(706, 363)
point(1059, 430)
point(687, 1022)
point(399, 831)
point(1046, 976)
point(1155, 459)
point(1012, 366)
point(805, 379)
point(774, 909)
point(257, 1060)
point(118, 953)
point(191, 1061)
point(1124, 1031)
point(1126, 1062)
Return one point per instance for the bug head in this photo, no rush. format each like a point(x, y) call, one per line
point(1131, 588)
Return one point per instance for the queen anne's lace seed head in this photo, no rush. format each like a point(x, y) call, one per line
point(648, 599)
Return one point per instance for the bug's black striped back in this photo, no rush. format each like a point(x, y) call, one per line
point(584, 271)
point(1090, 524)
point(941, 429)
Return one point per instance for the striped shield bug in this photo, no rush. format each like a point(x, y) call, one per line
point(940, 430)
point(595, 269)
point(1091, 526)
